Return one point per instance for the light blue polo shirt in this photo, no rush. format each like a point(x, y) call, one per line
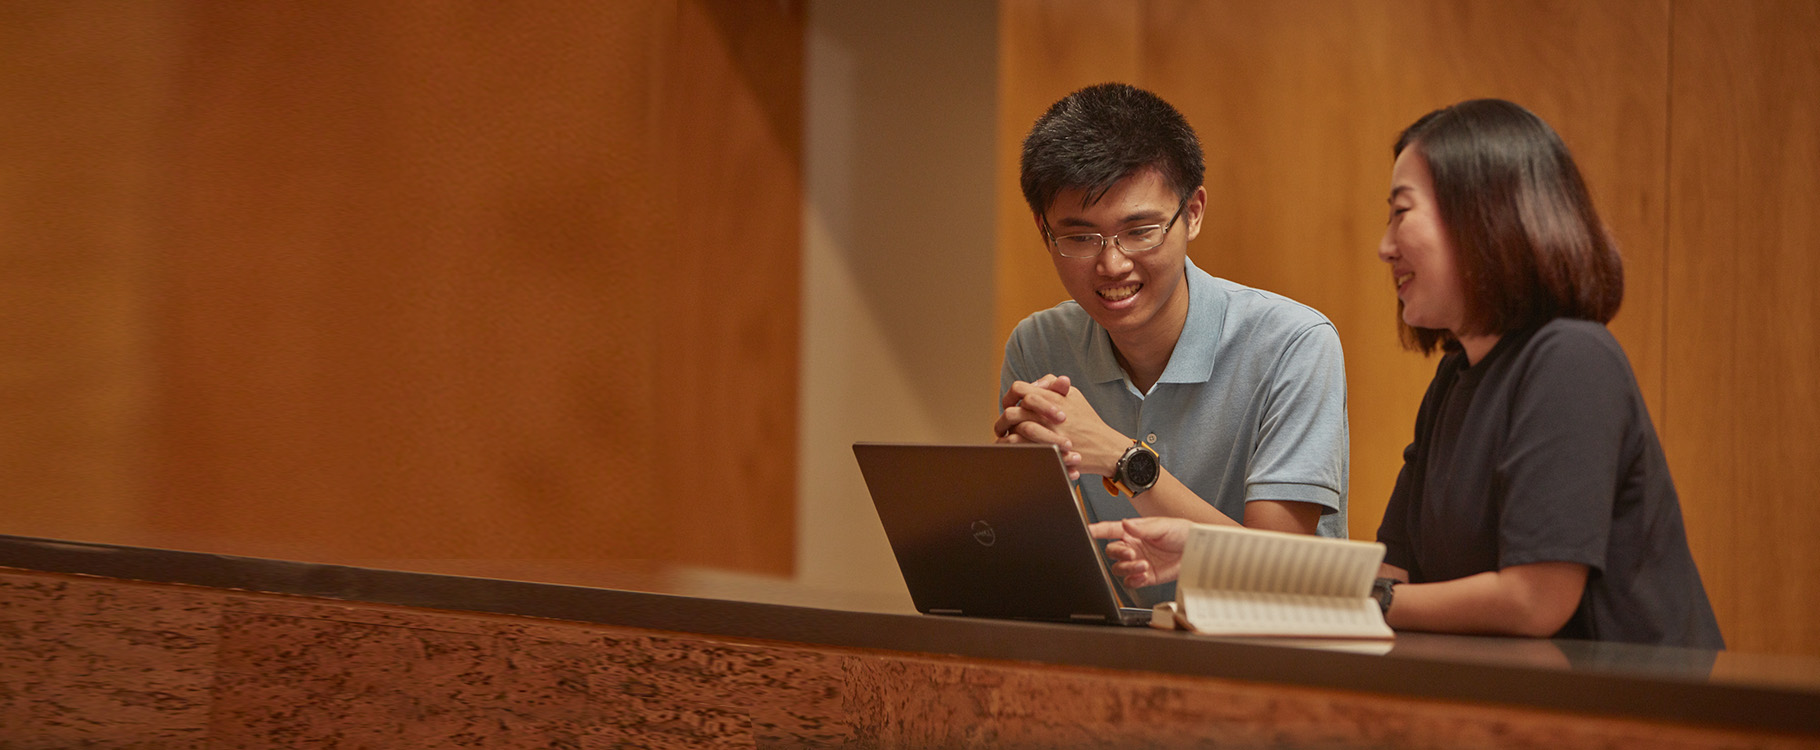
point(1252, 405)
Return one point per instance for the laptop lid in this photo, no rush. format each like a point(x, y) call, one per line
point(990, 531)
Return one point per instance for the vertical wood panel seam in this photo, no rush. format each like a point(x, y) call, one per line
point(1668, 221)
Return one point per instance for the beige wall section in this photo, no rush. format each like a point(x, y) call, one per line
point(1742, 311)
point(898, 275)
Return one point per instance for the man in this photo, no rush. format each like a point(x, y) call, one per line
point(1185, 394)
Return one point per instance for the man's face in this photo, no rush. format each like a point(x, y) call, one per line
point(1132, 295)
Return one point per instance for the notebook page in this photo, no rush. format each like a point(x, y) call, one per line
point(1234, 558)
point(1266, 614)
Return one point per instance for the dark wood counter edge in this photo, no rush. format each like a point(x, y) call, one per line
point(1658, 697)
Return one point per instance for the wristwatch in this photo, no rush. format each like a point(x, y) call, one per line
point(1383, 590)
point(1135, 473)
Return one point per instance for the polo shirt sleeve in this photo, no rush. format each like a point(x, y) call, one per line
point(1569, 414)
point(1302, 439)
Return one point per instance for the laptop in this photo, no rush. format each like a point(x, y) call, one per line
point(991, 531)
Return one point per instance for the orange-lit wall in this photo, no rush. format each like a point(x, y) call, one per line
point(356, 281)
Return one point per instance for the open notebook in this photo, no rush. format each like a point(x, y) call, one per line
point(1245, 582)
point(991, 531)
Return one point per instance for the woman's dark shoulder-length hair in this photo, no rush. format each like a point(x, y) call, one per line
point(1529, 246)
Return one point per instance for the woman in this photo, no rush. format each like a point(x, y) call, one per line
point(1535, 499)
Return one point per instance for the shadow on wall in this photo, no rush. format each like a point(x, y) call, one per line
point(903, 185)
point(898, 261)
point(755, 55)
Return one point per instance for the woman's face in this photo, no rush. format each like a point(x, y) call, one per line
point(1421, 257)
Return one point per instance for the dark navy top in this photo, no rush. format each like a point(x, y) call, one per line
point(1544, 452)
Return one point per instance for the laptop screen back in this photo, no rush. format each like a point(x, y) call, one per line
point(988, 531)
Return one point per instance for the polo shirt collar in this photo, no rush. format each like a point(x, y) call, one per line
point(1192, 360)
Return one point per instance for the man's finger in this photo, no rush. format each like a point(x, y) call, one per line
point(1035, 432)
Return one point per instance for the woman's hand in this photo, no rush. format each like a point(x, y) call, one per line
point(1145, 551)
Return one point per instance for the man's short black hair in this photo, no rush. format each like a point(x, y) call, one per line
point(1101, 134)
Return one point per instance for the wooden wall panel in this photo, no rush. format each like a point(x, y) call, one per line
point(83, 86)
point(459, 281)
point(1744, 263)
point(725, 363)
point(466, 281)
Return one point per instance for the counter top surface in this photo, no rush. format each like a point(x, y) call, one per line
point(1689, 685)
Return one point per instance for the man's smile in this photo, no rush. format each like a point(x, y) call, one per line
point(1117, 293)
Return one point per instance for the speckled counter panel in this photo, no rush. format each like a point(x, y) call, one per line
point(92, 662)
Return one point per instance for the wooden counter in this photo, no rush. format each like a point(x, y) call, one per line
point(130, 646)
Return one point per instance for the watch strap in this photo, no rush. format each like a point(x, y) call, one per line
point(1383, 590)
point(1116, 485)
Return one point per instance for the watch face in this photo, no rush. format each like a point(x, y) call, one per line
point(1141, 468)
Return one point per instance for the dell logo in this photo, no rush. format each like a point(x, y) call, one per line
point(983, 533)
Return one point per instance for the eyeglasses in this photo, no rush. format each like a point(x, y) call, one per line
point(1131, 241)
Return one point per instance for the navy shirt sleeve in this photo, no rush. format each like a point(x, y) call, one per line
point(1397, 532)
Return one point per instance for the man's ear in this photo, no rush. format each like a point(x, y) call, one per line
point(1195, 210)
point(1042, 229)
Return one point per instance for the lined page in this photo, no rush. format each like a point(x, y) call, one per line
point(1265, 614)
point(1233, 558)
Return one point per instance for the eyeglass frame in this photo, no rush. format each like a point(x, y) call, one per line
point(1055, 240)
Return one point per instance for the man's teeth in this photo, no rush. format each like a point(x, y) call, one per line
point(1404, 278)
point(1118, 293)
